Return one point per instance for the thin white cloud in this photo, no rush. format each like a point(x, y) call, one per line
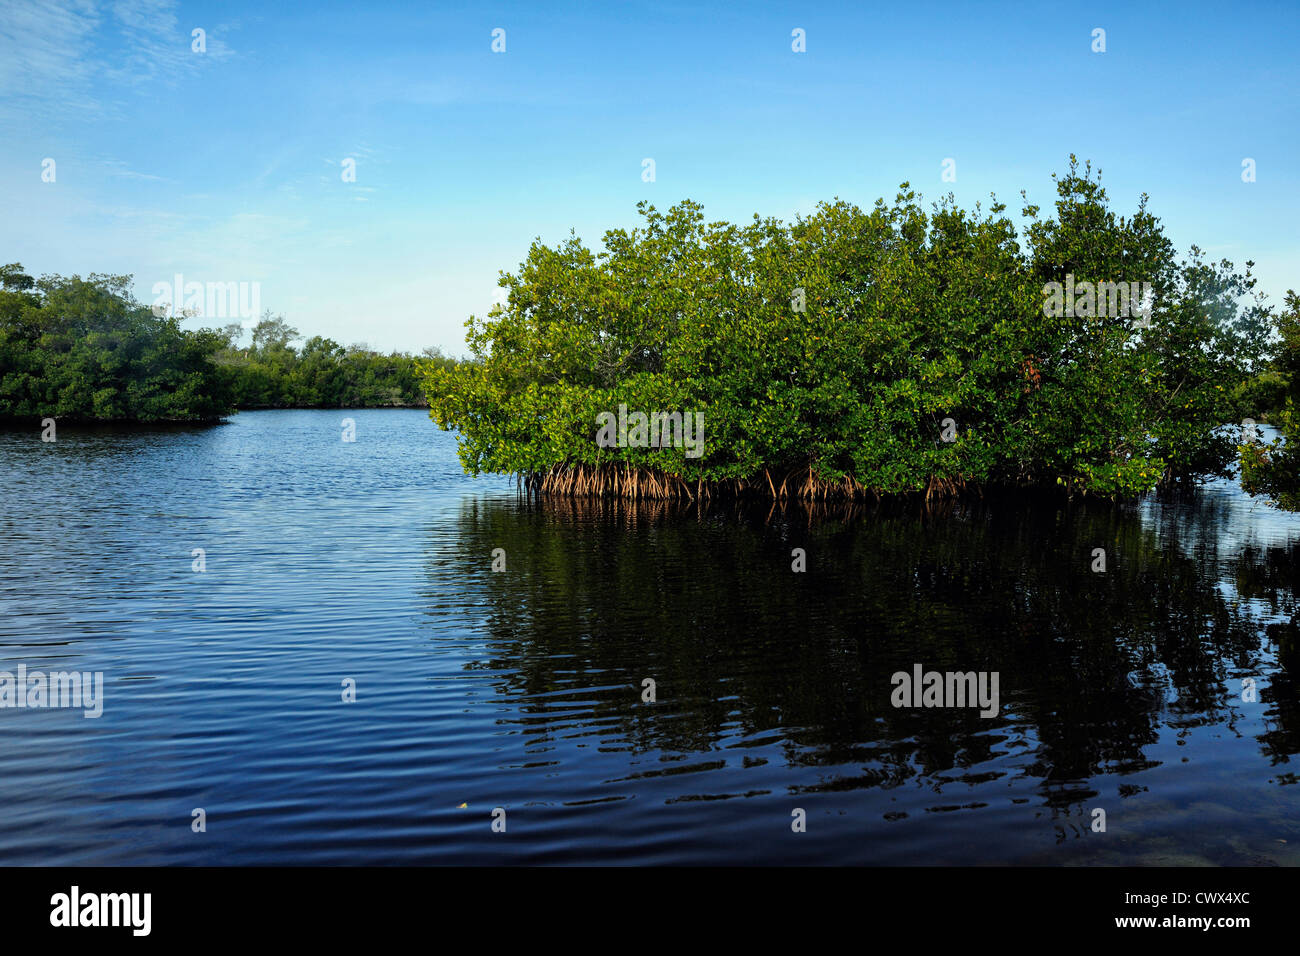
point(43, 56)
point(60, 59)
point(118, 168)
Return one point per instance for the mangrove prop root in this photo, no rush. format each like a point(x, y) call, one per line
point(648, 484)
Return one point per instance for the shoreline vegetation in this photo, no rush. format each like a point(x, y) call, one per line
point(84, 350)
point(848, 355)
point(858, 354)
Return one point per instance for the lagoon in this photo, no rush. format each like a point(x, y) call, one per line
point(371, 561)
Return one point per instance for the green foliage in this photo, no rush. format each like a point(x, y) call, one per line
point(1274, 470)
point(271, 373)
point(85, 349)
point(910, 318)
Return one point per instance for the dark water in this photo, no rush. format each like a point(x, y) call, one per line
point(327, 560)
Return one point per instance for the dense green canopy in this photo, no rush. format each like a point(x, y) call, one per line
point(826, 354)
point(1274, 469)
point(85, 349)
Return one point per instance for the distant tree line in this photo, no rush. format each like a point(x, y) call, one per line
point(86, 349)
point(269, 372)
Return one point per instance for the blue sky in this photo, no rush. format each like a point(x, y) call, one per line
point(225, 166)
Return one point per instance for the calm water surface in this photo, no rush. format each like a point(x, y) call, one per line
point(371, 561)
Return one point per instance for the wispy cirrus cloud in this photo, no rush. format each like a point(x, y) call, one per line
point(45, 56)
point(118, 168)
point(68, 59)
point(158, 45)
